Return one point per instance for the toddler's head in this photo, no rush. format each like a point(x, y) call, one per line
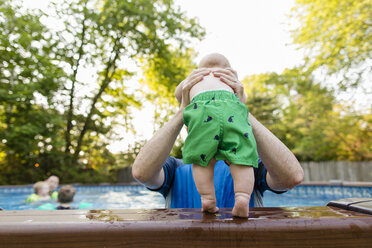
point(66, 194)
point(214, 60)
point(41, 188)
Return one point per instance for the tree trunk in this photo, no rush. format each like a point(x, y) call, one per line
point(111, 65)
point(72, 92)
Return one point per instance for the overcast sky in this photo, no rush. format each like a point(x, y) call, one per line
point(253, 35)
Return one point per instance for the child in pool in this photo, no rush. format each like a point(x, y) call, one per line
point(218, 129)
point(41, 190)
point(65, 196)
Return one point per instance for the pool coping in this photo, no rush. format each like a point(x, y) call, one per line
point(337, 183)
point(266, 227)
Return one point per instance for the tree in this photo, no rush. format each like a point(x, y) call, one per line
point(351, 133)
point(299, 110)
point(337, 36)
point(29, 78)
point(146, 30)
point(337, 39)
point(261, 100)
point(307, 118)
point(161, 76)
point(104, 38)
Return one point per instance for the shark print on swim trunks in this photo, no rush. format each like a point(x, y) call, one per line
point(218, 127)
point(208, 119)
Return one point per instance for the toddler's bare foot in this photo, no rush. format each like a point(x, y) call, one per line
point(209, 205)
point(241, 207)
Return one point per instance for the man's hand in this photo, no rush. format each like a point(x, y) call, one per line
point(230, 77)
point(195, 77)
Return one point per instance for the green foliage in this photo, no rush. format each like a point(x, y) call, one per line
point(352, 134)
point(51, 115)
point(29, 79)
point(177, 147)
point(307, 118)
point(145, 31)
point(337, 35)
point(162, 75)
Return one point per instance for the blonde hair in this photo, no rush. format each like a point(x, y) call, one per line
point(53, 177)
point(38, 185)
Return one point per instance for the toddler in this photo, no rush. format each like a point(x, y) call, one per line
point(218, 129)
point(41, 190)
point(65, 196)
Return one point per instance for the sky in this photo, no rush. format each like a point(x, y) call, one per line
point(253, 35)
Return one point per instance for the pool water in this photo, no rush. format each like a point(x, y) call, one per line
point(134, 197)
point(314, 195)
point(94, 197)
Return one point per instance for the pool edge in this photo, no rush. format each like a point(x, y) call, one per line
point(267, 227)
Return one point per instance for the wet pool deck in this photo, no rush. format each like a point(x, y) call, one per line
point(267, 227)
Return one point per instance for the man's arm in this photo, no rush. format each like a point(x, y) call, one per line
point(178, 92)
point(283, 169)
point(148, 165)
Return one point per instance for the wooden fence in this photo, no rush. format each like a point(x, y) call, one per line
point(337, 171)
point(314, 172)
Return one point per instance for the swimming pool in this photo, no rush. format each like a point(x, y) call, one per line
point(135, 196)
point(98, 197)
point(314, 195)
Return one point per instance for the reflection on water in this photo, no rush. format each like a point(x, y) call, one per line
point(103, 215)
point(223, 216)
point(125, 199)
point(97, 197)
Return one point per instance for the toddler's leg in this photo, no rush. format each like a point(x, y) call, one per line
point(243, 186)
point(203, 177)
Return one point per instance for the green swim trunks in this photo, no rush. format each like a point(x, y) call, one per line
point(218, 126)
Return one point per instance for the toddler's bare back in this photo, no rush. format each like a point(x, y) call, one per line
point(209, 83)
